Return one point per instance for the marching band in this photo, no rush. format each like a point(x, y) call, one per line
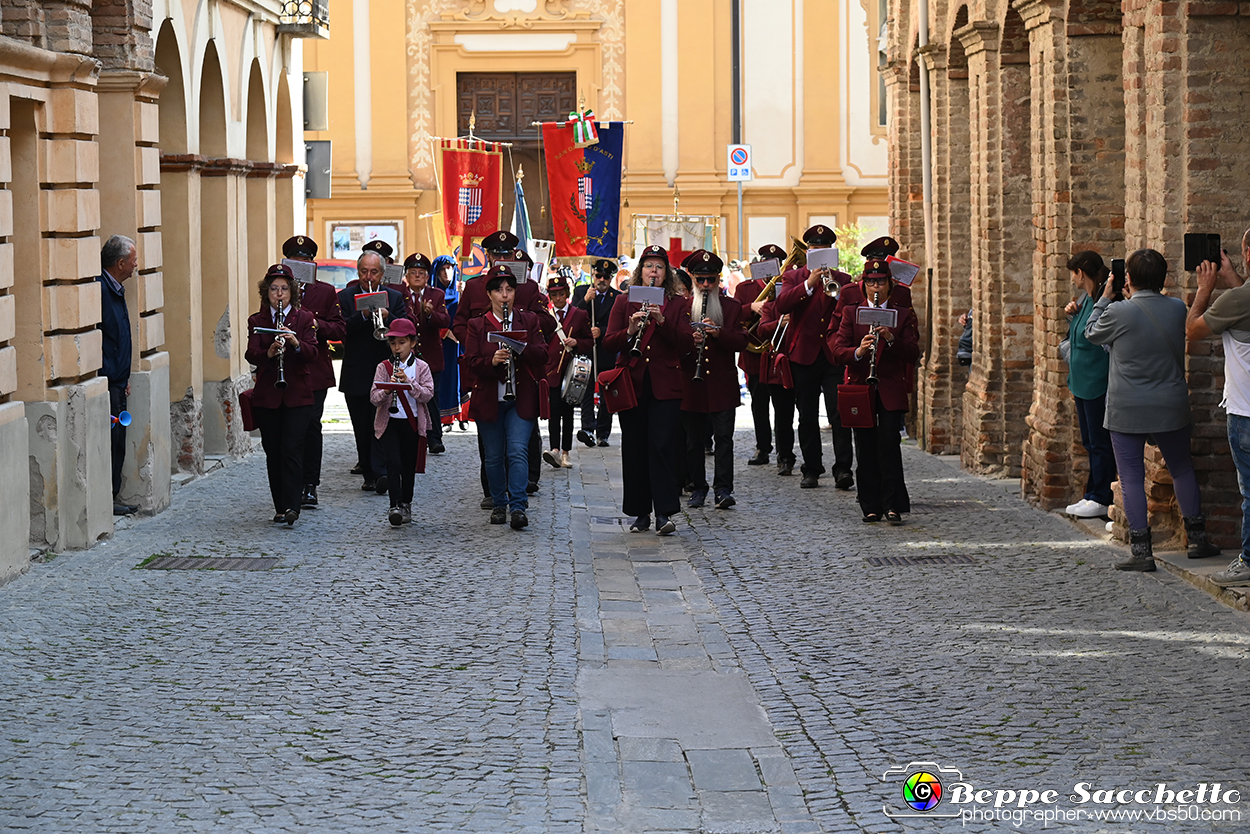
point(662, 354)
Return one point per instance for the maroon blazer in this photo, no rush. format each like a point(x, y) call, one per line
point(812, 317)
point(297, 363)
point(322, 300)
point(576, 326)
point(530, 367)
point(474, 301)
point(719, 389)
point(894, 362)
point(748, 290)
point(429, 328)
point(662, 346)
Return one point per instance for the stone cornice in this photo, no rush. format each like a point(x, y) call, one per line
point(1035, 13)
point(146, 85)
point(978, 36)
point(23, 62)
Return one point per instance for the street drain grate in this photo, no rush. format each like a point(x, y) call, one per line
point(890, 561)
point(211, 563)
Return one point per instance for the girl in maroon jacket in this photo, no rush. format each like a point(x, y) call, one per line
point(880, 458)
point(282, 399)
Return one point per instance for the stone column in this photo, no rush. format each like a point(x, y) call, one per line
point(129, 122)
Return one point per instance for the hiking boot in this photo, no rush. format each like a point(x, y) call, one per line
point(1237, 573)
point(1200, 547)
point(1142, 556)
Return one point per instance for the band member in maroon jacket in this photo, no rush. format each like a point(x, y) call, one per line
point(282, 399)
point(661, 337)
point(320, 299)
point(712, 390)
point(812, 318)
point(596, 298)
point(505, 400)
point(427, 307)
point(746, 293)
point(782, 397)
point(881, 485)
point(574, 324)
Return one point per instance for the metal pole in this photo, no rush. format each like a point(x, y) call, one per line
point(740, 255)
point(736, 38)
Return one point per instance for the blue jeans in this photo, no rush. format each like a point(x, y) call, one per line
point(1239, 443)
point(1097, 442)
point(507, 437)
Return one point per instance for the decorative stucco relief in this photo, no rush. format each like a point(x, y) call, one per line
point(506, 14)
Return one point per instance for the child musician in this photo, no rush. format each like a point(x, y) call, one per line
point(402, 417)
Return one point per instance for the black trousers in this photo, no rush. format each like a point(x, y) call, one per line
point(434, 434)
point(880, 472)
point(759, 413)
point(535, 459)
point(399, 445)
point(783, 420)
point(598, 424)
point(721, 424)
point(368, 450)
point(810, 382)
point(312, 440)
point(282, 433)
point(648, 449)
point(560, 426)
point(117, 435)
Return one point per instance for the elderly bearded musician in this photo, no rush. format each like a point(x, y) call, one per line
point(712, 390)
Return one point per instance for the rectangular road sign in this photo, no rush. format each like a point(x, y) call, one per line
point(739, 162)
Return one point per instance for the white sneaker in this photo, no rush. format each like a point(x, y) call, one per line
point(1086, 508)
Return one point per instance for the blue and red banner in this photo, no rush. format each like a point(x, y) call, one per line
point(472, 188)
point(585, 188)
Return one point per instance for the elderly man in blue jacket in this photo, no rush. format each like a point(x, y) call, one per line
point(118, 260)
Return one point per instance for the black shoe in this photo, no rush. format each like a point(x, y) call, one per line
point(785, 466)
point(396, 516)
point(664, 526)
point(696, 500)
point(760, 459)
point(641, 524)
point(358, 470)
point(603, 441)
point(724, 500)
point(498, 515)
point(583, 436)
point(810, 482)
point(368, 486)
point(531, 487)
point(708, 451)
point(487, 503)
point(436, 448)
point(310, 496)
point(381, 484)
point(519, 520)
point(843, 480)
point(124, 509)
point(291, 517)
point(894, 518)
point(279, 518)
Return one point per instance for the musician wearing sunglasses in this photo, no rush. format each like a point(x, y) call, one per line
point(712, 390)
point(571, 342)
point(650, 343)
point(880, 357)
point(282, 344)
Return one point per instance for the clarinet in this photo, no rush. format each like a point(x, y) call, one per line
point(280, 322)
point(872, 351)
point(635, 347)
point(698, 361)
point(396, 369)
point(509, 388)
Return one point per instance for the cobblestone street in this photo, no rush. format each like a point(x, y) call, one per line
point(753, 673)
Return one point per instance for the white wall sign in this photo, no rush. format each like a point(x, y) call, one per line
point(739, 163)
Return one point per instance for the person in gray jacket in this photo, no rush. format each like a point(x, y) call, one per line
point(1148, 397)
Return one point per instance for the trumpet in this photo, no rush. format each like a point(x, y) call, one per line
point(509, 387)
point(830, 285)
point(635, 347)
point(379, 325)
point(698, 360)
point(279, 321)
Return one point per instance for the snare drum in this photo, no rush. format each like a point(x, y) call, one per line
point(576, 379)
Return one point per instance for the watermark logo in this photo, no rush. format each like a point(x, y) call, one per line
point(920, 787)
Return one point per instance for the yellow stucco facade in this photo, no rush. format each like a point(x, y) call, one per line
point(808, 106)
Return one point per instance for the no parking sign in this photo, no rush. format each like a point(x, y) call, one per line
point(739, 159)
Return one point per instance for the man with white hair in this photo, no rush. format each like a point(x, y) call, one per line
point(118, 261)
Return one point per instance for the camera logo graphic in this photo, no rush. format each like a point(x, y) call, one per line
point(919, 790)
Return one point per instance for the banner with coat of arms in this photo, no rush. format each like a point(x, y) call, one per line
point(585, 187)
point(472, 178)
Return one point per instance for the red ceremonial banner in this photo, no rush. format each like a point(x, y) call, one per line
point(472, 187)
